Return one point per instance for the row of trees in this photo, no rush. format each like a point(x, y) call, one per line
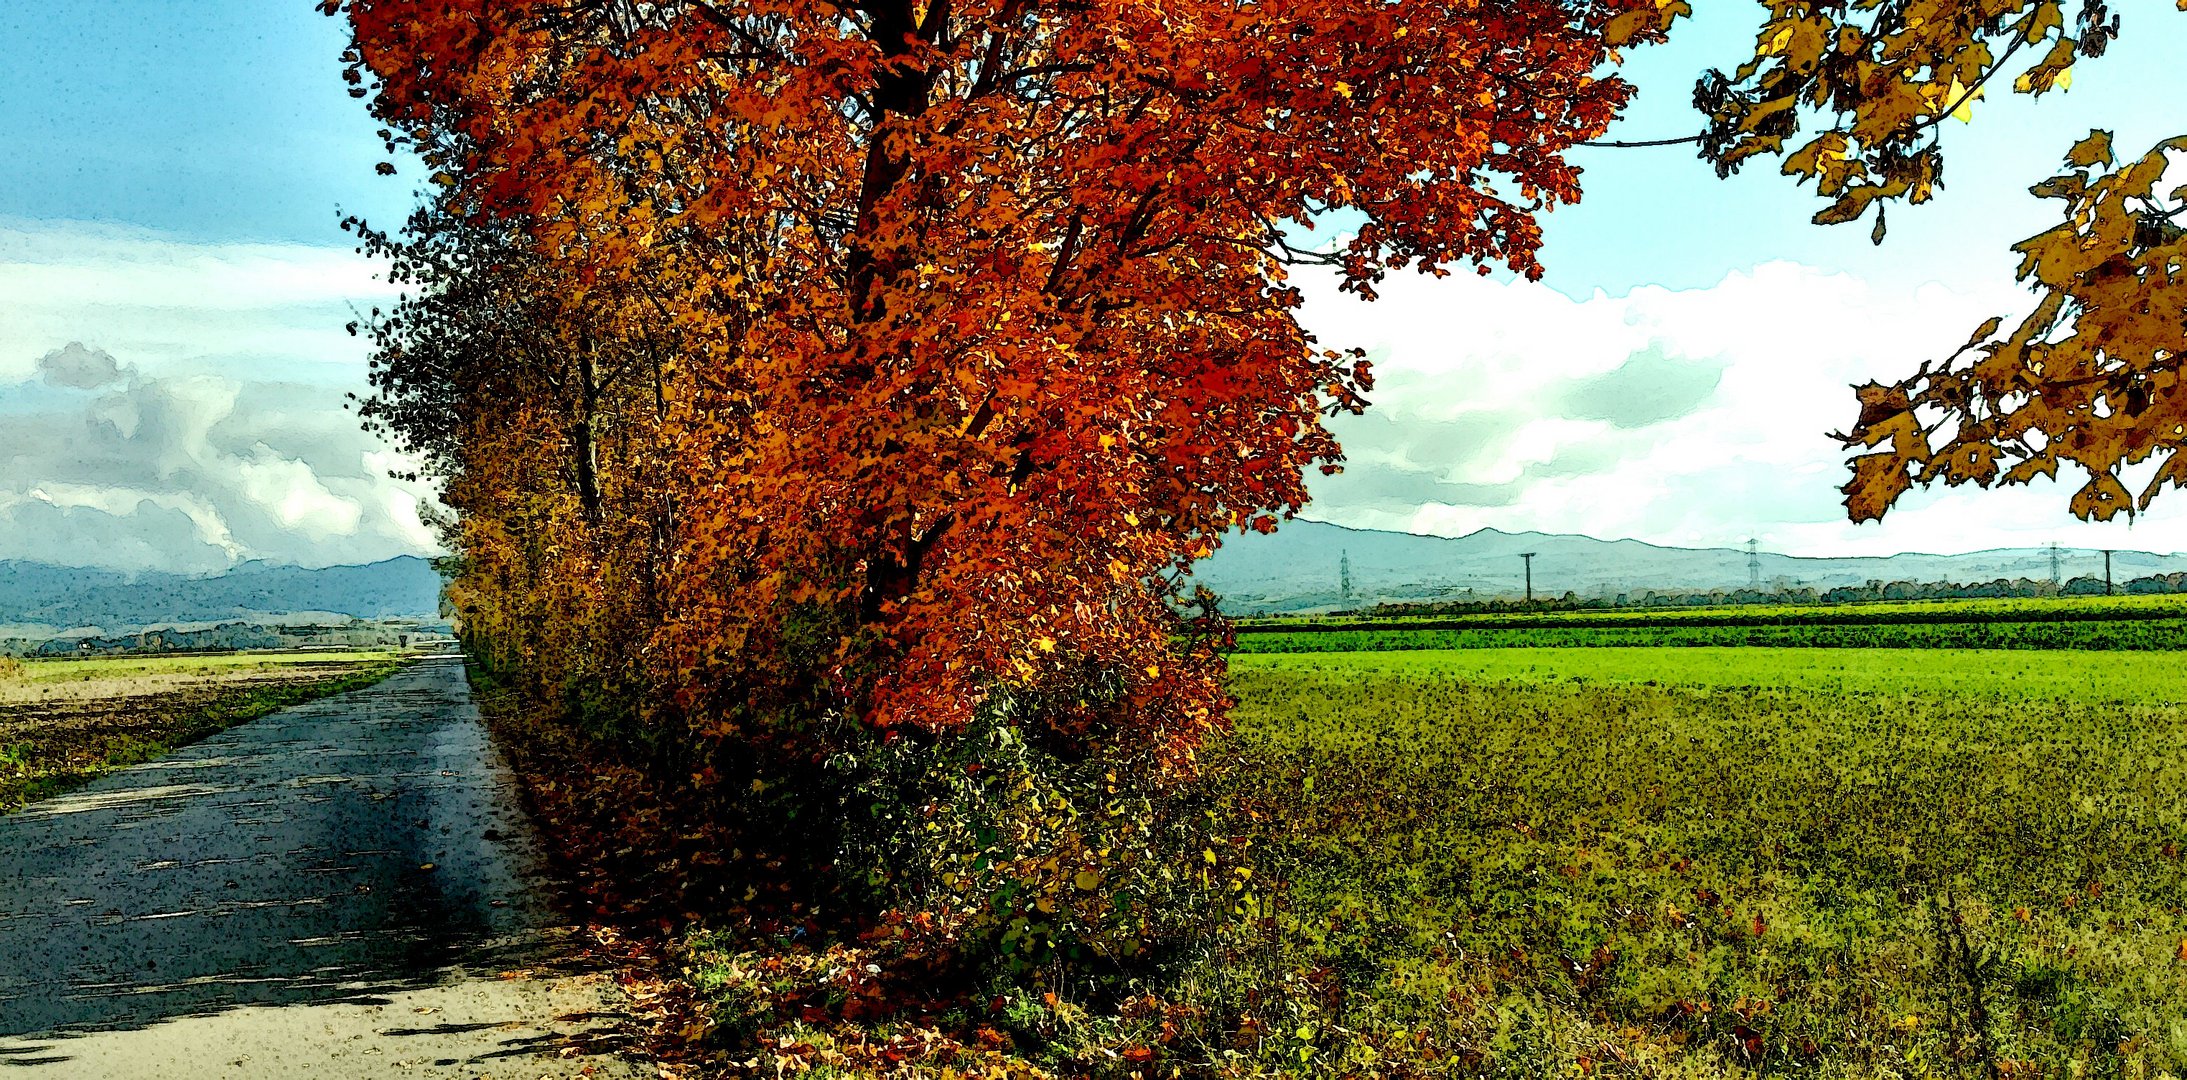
point(813, 380)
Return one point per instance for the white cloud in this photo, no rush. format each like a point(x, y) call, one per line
point(292, 493)
point(1695, 417)
point(269, 310)
point(178, 406)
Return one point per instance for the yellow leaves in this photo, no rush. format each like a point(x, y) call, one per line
point(1343, 90)
point(1960, 100)
point(2102, 498)
point(2053, 72)
point(2091, 151)
point(1878, 480)
point(1826, 161)
point(2038, 24)
point(2089, 377)
point(1850, 205)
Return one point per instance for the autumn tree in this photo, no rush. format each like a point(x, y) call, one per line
point(986, 325)
point(538, 400)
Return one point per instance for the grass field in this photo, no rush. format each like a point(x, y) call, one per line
point(1705, 861)
point(2121, 623)
point(2003, 609)
point(63, 722)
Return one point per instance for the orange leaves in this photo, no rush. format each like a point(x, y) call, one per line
point(931, 342)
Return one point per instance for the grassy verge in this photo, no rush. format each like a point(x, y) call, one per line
point(65, 722)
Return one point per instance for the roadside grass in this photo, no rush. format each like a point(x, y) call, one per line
point(66, 722)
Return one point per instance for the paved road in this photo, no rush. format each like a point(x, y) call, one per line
point(336, 889)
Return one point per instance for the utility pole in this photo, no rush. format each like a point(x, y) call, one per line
point(1529, 557)
point(2107, 573)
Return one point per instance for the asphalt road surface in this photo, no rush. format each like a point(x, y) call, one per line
point(346, 888)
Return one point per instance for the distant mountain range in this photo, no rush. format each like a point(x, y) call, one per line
point(1297, 568)
point(38, 597)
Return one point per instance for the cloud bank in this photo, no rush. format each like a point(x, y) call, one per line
point(1691, 417)
point(178, 407)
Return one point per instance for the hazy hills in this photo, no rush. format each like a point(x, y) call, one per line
point(1296, 568)
point(56, 598)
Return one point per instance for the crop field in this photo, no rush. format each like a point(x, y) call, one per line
point(2131, 623)
point(1714, 862)
point(65, 721)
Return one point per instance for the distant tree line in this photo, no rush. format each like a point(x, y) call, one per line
point(227, 637)
point(1870, 592)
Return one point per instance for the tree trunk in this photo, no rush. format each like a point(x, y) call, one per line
point(585, 434)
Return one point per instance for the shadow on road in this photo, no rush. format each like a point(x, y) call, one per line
point(352, 851)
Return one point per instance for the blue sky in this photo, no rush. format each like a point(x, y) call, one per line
point(211, 120)
point(173, 172)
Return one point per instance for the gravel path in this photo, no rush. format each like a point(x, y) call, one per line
point(346, 888)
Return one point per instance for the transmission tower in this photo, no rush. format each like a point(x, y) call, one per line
point(2054, 578)
point(1529, 557)
point(1344, 575)
point(1754, 564)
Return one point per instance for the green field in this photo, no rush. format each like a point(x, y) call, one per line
point(1714, 862)
point(193, 664)
point(2121, 623)
point(2006, 609)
